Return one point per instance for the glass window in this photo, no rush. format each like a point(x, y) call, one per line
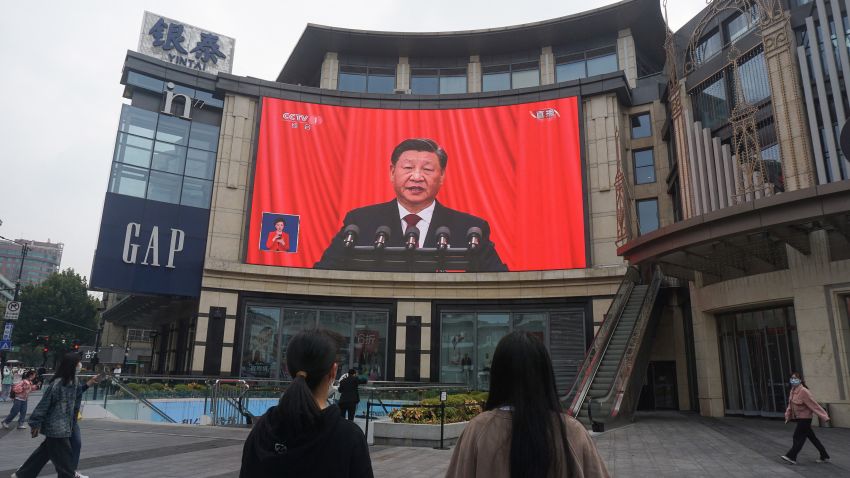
point(204, 136)
point(491, 328)
point(572, 70)
point(496, 78)
point(340, 323)
point(259, 357)
point(164, 187)
point(534, 323)
point(168, 157)
point(209, 99)
point(599, 65)
point(370, 344)
point(200, 164)
point(741, 24)
point(137, 121)
point(753, 76)
point(525, 79)
point(424, 81)
point(173, 130)
point(381, 80)
point(294, 321)
point(128, 180)
point(457, 341)
point(644, 166)
point(641, 127)
point(773, 167)
point(647, 210)
point(708, 47)
point(352, 78)
point(133, 150)
point(146, 82)
point(453, 84)
point(710, 103)
point(196, 192)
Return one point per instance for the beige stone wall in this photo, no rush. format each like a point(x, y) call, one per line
point(817, 287)
point(547, 66)
point(602, 121)
point(626, 56)
point(473, 74)
point(329, 78)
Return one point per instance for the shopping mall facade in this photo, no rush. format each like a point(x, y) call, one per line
point(702, 168)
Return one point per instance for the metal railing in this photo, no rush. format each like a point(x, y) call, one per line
point(227, 406)
point(593, 359)
point(120, 386)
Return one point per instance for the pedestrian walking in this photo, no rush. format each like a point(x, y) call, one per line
point(801, 407)
point(6, 384)
point(53, 418)
point(20, 393)
point(349, 394)
point(303, 435)
point(76, 436)
point(523, 432)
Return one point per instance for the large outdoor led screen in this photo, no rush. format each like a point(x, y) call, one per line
point(501, 187)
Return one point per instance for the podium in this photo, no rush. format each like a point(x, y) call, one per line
point(400, 259)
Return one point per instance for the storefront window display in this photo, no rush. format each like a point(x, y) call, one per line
point(363, 334)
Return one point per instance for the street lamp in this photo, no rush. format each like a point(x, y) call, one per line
point(68, 323)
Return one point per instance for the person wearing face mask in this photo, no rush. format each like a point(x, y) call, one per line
point(53, 417)
point(801, 406)
point(20, 393)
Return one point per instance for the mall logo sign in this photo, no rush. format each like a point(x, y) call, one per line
point(152, 257)
point(297, 120)
point(545, 114)
point(185, 45)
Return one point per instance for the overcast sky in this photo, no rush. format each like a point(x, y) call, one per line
point(60, 95)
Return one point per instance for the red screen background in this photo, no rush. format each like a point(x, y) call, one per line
point(519, 172)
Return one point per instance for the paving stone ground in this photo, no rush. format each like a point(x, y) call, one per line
point(657, 444)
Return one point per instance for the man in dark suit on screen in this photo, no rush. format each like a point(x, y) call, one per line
point(417, 171)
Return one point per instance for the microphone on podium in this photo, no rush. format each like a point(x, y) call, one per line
point(349, 235)
point(444, 237)
point(382, 236)
point(473, 238)
point(411, 238)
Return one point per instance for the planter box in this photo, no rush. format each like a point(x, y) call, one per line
point(407, 434)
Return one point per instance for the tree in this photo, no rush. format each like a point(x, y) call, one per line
point(62, 296)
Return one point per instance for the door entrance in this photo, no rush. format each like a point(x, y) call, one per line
point(660, 391)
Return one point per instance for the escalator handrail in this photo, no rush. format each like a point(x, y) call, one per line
point(143, 400)
point(625, 380)
point(601, 340)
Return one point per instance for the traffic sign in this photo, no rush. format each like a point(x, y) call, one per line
point(7, 331)
point(5, 345)
point(13, 309)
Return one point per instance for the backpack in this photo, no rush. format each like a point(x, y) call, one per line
point(16, 389)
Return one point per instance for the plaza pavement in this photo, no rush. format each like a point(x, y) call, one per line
point(661, 444)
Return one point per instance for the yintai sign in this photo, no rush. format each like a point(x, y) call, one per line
point(185, 45)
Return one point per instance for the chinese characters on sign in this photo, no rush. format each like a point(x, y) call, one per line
point(185, 45)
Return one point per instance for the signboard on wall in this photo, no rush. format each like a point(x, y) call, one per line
point(514, 172)
point(150, 247)
point(185, 45)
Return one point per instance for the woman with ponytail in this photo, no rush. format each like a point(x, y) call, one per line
point(523, 432)
point(302, 436)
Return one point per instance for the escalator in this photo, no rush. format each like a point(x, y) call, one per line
point(609, 383)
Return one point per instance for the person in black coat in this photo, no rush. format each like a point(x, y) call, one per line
point(417, 171)
point(349, 395)
point(302, 436)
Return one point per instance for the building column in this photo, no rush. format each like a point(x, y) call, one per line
point(329, 79)
point(215, 334)
point(473, 74)
point(626, 56)
point(413, 341)
point(402, 74)
point(788, 107)
point(547, 66)
point(707, 352)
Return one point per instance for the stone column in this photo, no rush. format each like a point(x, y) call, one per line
point(473, 74)
point(547, 66)
point(788, 107)
point(626, 56)
point(707, 352)
point(678, 102)
point(402, 74)
point(330, 71)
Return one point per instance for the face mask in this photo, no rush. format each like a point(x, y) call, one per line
point(795, 382)
point(79, 367)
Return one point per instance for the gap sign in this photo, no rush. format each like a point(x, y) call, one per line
point(150, 247)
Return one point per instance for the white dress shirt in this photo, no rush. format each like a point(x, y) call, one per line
point(424, 223)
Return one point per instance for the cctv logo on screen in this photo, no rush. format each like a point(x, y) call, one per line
point(297, 120)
